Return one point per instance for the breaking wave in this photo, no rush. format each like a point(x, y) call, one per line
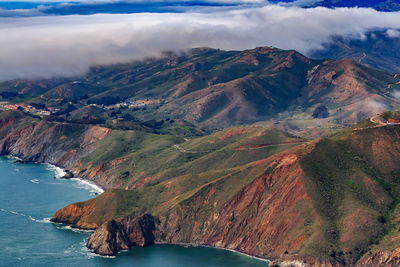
point(58, 172)
point(93, 188)
point(76, 230)
point(44, 220)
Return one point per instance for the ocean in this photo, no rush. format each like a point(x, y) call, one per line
point(29, 196)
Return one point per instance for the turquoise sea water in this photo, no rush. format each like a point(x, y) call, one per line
point(29, 196)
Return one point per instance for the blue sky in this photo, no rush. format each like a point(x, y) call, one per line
point(87, 7)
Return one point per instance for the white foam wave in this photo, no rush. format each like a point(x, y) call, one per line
point(101, 256)
point(58, 172)
point(44, 220)
point(13, 157)
point(76, 230)
point(13, 212)
point(79, 249)
point(85, 184)
point(90, 186)
point(35, 181)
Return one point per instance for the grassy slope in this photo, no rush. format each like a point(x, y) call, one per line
point(129, 158)
point(151, 158)
point(351, 177)
point(355, 188)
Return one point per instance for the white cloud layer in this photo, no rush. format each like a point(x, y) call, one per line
point(43, 47)
point(393, 33)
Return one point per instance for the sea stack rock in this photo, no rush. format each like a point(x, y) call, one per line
point(116, 235)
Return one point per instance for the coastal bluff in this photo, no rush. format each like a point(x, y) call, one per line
point(280, 202)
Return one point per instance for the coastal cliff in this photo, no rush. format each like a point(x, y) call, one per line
point(60, 144)
point(287, 205)
point(75, 216)
point(123, 234)
point(328, 202)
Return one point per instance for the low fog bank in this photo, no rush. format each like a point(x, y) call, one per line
point(53, 46)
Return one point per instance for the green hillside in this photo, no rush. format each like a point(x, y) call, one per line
point(341, 192)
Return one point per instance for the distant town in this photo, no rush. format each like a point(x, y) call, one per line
point(28, 108)
point(42, 110)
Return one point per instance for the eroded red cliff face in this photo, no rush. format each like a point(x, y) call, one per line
point(261, 219)
point(116, 235)
point(76, 216)
point(382, 258)
point(265, 218)
point(61, 144)
point(272, 215)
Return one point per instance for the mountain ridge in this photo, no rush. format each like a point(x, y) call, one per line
point(380, 5)
point(377, 49)
point(214, 89)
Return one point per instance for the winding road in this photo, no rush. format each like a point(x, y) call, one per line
point(242, 147)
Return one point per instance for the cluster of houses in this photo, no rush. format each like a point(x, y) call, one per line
point(128, 104)
point(132, 104)
point(27, 108)
point(48, 110)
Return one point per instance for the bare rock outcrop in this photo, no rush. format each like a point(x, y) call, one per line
point(75, 216)
point(122, 234)
point(382, 258)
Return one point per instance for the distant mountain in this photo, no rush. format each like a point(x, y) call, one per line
point(33, 8)
point(379, 50)
point(380, 5)
point(215, 89)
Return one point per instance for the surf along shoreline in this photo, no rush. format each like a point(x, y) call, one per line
point(61, 173)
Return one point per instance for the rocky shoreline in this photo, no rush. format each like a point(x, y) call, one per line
point(121, 235)
point(67, 174)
